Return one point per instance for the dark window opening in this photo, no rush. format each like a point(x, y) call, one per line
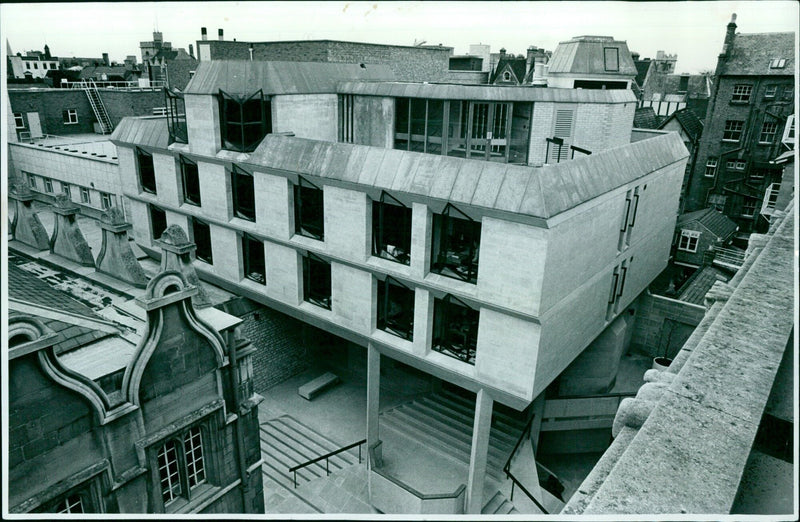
point(176, 116)
point(396, 308)
point(244, 199)
point(244, 121)
point(147, 172)
point(611, 58)
point(253, 257)
point(201, 232)
point(455, 328)
point(317, 281)
point(158, 221)
point(191, 181)
point(346, 118)
point(456, 242)
point(391, 229)
point(308, 210)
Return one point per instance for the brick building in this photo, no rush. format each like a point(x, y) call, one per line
point(753, 94)
point(408, 63)
point(390, 214)
point(151, 416)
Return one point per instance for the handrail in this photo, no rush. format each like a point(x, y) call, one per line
point(507, 468)
point(594, 396)
point(325, 457)
point(419, 494)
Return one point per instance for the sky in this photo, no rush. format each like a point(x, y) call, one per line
point(692, 30)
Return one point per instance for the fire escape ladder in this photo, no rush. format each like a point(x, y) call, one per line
point(90, 88)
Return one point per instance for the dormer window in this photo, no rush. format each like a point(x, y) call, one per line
point(176, 117)
point(777, 63)
point(611, 59)
point(506, 76)
point(244, 121)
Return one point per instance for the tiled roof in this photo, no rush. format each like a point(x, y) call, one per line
point(143, 131)
point(517, 66)
point(695, 289)
point(92, 72)
point(689, 121)
point(642, 67)
point(645, 118)
point(535, 191)
point(716, 222)
point(585, 55)
point(696, 86)
point(445, 91)
point(244, 77)
point(752, 53)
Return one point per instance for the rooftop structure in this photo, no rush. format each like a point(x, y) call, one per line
point(591, 62)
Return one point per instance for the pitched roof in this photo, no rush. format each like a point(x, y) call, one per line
point(695, 289)
point(642, 67)
point(645, 118)
point(446, 91)
point(696, 86)
point(688, 120)
point(716, 222)
point(517, 66)
point(150, 131)
point(91, 72)
point(586, 55)
point(751, 54)
point(244, 77)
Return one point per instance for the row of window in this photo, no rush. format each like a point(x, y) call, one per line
point(68, 116)
point(757, 173)
point(742, 92)
point(748, 209)
point(734, 128)
point(66, 188)
point(53, 66)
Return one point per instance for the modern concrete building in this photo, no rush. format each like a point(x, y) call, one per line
point(591, 62)
point(752, 98)
point(435, 225)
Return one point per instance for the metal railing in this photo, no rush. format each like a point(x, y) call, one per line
point(729, 257)
point(101, 84)
point(325, 457)
point(507, 468)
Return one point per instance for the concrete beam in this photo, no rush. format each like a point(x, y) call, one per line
point(479, 452)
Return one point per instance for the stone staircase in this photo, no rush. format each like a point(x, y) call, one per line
point(499, 505)
point(444, 421)
point(285, 442)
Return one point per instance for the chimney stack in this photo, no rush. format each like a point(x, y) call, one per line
point(502, 53)
point(203, 34)
point(105, 59)
point(730, 34)
point(191, 50)
point(220, 35)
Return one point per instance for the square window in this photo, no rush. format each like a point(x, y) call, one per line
point(48, 185)
point(70, 116)
point(396, 308)
point(19, 123)
point(255, 267)
point(768, 131)
point(317, 281)
point(455, 328)
point(688, 241)
point(147, 171)
point(309, 210)
point(391, 229)
point(244, 199)
point(455, 245)
point(191, 181)
point(105, 201)
point(749, 207)
point(201, 234)
point(158, 221)
point(611, 58)
point(741, 93)
point(717, 201)
point(85, 196)
point(770, 91)
point(788, 92)
point(733, 130)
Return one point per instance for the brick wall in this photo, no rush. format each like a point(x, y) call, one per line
point(50, 105)
point(281, 350)
point(651, 313)
point(408, 63)
point(137, 103)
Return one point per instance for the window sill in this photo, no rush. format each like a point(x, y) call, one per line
point(390, 266)
point(740, 102)
point(451, 363)
point(765, 143)
point(449, 283)
point(319, 311)
point(729, 141)
point(253, 285)
point(71, 123)
point(394, 341)
point(307, 242)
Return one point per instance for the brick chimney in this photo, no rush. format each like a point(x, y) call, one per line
point(730, 35)
point(105, 59)
point(502, 53)
point(191, 50)
point(220, 35)
point(203, 34)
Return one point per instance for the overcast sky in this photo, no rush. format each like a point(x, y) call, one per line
point(693, 30)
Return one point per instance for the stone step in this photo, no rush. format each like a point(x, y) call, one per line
point(499, 505)
point(499, 437)
point(505, 423)
point(307, 444)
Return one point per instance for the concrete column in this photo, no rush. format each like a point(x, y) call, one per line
point(26, 227)
point(116, 257)
point(420, 239)
point(68, 241)
point(177, 255)
point(537, 410)
point(373, 398)
point(479, 452)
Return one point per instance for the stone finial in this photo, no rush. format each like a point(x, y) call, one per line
point(177, 255)
point(67, 240)
point(116, 257)
point(26, 227)
point(20, 189)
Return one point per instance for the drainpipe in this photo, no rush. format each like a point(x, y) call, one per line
point(233, 349)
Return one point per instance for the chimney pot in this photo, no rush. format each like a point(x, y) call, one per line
point(203, 33)
point(220, 35)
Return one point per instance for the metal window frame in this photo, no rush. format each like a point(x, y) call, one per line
point(240, 101)
point(307, 277)
point(140, 153)
point(378, 228)
point(445, 345)
point(195, 223)
point(176, 119)
point(303, 183)
point(236, 206)
point(247, 239)
point(183, 161)
point(388, 282)
point(444, 244)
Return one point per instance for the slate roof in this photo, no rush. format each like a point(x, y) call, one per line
point(143, 131)
point(695, 289)
point(751, 54)
point(517, 65)
point(585, 55)
point(446, 91)
point(714, 221)
point(642, 67)
point(25, 286)
point(94, 72)
point(688, 120)
point(244, 77)
point(697, 85)
point(645, 118)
